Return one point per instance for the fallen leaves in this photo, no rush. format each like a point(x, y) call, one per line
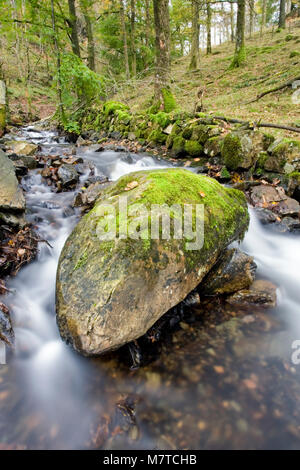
point(16, 249)
point(131, 185)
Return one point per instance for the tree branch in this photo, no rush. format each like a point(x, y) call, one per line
point(280, 87)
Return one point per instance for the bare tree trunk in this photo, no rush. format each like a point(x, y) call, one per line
point(162, 94)
point(132, 38)
point(124, 34)
point(251, 17)
point(232, 21)
point(208, 27)
point(263, 16)
point(281, 22)
point(195, 53)
point(72, 21)
point(240, 53)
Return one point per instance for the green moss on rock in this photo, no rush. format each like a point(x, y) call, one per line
point(110, 107)
point(193, 148)
point(110, 292)
point(178, 147)
point(157, 136)
point(231, 151)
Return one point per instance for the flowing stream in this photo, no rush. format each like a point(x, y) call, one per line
point(228, 384)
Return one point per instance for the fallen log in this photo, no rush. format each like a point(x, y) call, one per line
point(253, 125)
point(273, 90)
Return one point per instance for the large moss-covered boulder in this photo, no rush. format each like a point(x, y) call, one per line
point(110, 292)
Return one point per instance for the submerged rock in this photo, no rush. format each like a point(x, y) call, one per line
point(260, 294)
point(234, 271)
point(110, 292)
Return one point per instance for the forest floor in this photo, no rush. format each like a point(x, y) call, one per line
point(272, 60)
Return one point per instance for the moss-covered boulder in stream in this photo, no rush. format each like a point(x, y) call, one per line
point(112, 289)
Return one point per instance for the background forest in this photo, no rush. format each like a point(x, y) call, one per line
point(67, 54)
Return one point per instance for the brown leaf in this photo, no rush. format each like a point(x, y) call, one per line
point(131, 185)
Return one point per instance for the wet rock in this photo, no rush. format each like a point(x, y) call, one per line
point(90, 195)
point(28, 161)
point(68, 175)
point(265, 216)
point(110, 292)
point(21, 147)
point(241, 148)
point(234, 271)
point(131, 136)
point(288, 206)
point(11, 195)
point(13, 219)
point(116, 135)
point(6, 330)
point(265, 194)
point(80, 142)
point(282, 152)
point(20, 168)
point(291, 225)
point(260, 294)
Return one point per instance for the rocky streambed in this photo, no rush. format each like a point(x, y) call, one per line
point(208, 368)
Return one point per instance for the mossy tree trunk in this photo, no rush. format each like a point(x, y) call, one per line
point(208, 27)
point(124, 34)
point(163, 99)
point(132, 38)
point(240, 53)
point(147, 22)
point(85, 6)
point(195, 53)
point(281, 21)
point(72, 21)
